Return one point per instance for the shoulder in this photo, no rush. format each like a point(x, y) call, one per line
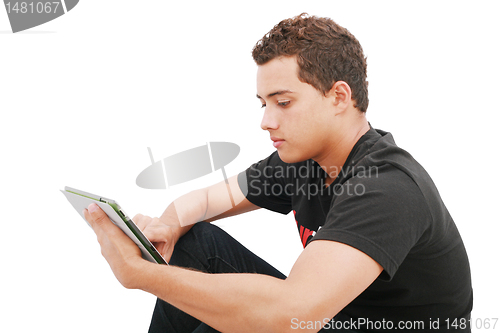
point(381, 191)
point(390, 167)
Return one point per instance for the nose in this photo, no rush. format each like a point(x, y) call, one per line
point(269, 120)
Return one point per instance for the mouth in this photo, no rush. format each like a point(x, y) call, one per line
point(277, 141)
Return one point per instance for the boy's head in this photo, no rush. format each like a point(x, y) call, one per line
point(325, 53)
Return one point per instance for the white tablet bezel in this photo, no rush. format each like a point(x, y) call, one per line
point(80, 200)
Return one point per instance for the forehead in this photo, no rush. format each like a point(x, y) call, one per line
point(277, 75)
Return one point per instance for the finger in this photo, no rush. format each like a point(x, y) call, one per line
point(137, 218)
point(98, 216)
point(157, 232)
point(105, 230)
point(168, 253)
point(89, 218)
point(141, 221)
point(164, 250)
point(152, 230)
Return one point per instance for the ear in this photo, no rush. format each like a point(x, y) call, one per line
point(341, 95)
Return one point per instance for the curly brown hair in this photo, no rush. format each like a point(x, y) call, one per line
point(325, 51)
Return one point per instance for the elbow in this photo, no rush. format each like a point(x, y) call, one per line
point(300, 315)
point(285, 317)
point(272, 315)
point(288, 322)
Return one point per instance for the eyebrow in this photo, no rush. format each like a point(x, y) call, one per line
point(279, 92)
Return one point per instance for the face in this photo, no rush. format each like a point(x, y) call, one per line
point(298, 117)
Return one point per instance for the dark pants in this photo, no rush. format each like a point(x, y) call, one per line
point(206, 248)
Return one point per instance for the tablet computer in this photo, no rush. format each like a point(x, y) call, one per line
point(80, 200)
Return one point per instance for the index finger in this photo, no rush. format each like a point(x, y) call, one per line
point(141, 221)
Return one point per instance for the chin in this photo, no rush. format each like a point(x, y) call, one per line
point(287, 157)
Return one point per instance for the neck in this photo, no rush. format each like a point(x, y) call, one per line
point(334, 158)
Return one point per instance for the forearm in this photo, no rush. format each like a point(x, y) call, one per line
point(227, 302)
point(207, 204)
point(334, 274)
point(185, 211)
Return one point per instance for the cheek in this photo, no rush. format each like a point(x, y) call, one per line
point(312, 134)
point(306, 143)
point(311, 127)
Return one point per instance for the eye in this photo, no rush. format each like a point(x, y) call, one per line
point(283, 103)
point(263, 106)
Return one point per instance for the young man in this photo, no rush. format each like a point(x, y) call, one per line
point(381, 252)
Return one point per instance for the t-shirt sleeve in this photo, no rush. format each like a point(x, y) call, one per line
point(382, 216)
point(264, 184)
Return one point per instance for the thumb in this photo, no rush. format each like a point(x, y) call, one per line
point(97, 216)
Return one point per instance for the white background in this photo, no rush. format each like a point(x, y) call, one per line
point(83, 96)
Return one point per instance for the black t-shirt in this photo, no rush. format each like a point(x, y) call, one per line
point(384, 204)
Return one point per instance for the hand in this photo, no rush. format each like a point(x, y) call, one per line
point(121, 253)
point(163, 236)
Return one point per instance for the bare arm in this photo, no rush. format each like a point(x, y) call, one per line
point(326, 277)
point(207, 204)
point(212, 203)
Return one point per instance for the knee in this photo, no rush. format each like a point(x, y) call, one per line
point(201, 227)
point(203, 231)
point(193, 249)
